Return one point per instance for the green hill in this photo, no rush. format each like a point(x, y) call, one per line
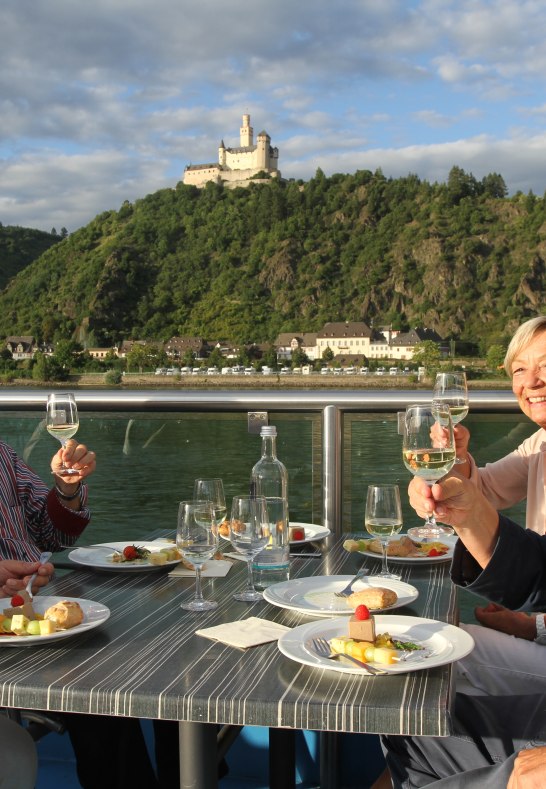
point(19, 246)
point(244, 264)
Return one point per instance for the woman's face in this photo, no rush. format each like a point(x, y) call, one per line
point(529, 379)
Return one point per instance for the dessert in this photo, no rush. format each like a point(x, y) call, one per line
point(21, 603)
point(362, 625)
point(403, 548)
point(374, 597)
point(296, 533)
point(65, 614)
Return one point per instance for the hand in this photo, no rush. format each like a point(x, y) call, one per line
point(75, 456)
point(459, 503)
point(529, 769)
point(14, 575)
point(514, 623)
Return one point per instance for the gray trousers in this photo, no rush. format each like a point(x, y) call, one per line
point(488, 732)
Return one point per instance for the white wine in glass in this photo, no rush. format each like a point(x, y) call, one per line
point(383, 518)
point(62, 421)
point(428, 452)
point(451, 389)
point(212, 490)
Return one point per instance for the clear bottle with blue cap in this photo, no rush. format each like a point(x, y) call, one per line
point(269, 478)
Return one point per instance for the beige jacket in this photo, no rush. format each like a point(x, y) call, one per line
point(515, 477)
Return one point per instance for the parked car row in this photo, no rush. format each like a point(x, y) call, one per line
point(240, 370)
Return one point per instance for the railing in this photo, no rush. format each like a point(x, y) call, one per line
point(332, 405)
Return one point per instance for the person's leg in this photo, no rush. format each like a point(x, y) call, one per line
point(18, 758)
point(110, 752)
point(501, 665)
point(488, 731)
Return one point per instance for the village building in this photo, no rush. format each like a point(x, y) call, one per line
point(178, 347)
point(288, 342)
point(23, 347)
point(238, 166)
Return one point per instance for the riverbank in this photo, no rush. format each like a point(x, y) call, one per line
point(298, 381)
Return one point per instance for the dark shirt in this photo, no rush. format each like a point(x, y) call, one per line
point(516, 574)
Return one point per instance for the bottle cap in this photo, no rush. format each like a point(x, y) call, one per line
point(268, 430)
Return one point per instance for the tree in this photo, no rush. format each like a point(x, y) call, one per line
point(495, 357)
point(145, 356)
point(299, 358)
point(327, 354)
point(427, 355)
point(67, 354)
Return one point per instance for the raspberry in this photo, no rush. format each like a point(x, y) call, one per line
point(434, 552)
point(362, 612)
point(17, 600)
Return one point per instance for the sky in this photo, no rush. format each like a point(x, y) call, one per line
point(109, 100)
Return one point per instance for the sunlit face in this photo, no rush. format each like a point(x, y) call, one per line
point(529, 379)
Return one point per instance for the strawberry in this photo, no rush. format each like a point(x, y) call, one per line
point(362, 612)
point(17, 600)
point(434, 552)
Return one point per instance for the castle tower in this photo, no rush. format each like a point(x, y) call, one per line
point(222, 154)
point(246, 132)
point(262, 151)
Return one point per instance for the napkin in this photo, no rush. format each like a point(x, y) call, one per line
point(245, 632)
point(215, 568)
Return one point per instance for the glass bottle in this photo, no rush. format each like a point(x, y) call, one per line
point(269, 478)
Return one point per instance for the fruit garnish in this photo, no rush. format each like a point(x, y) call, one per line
point(434, 552)
point(362, 613)
point(17, 600)
point(298, 534)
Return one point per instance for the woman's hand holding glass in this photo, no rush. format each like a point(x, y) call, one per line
point(429, 453)
point(197, 540)
point(249, 533)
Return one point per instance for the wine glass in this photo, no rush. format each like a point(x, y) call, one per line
point(197, 540)
point(212, 490)
point(450, 389)
point(383, 518)
point(429, 452)
point(62, 422)
point(249, 533)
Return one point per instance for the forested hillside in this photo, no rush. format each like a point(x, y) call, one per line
point(244, 264)
point(19, 246)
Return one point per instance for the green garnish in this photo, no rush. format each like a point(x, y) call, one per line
point(406, 646)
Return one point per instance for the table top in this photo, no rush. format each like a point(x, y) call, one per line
point(147, 662)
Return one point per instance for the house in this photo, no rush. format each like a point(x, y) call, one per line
point(100, 353)
point(23, 347)
point(403, 344)
point(288, 342)
point(178, 347)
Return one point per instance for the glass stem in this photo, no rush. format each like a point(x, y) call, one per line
point(198, 591)
point(250, 575)
point(384, 546)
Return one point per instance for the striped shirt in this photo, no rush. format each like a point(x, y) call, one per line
point(32, 518)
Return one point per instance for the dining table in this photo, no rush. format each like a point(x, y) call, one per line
point(146, 661)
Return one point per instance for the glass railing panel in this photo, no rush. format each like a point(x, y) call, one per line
point(147, 462)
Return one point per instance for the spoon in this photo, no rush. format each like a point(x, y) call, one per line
point(44, 557)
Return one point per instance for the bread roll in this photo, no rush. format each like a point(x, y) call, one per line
point(374, 597)
point(65, 614)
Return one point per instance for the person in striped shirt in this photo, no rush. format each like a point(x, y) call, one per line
point(34, 518)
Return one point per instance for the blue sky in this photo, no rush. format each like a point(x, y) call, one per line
point(109, 100)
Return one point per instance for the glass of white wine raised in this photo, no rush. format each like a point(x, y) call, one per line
point(62, 421)
point(429, 452)
point(451, 389)
point(383, 518)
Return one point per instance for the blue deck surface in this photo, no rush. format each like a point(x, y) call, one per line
point(361, 761)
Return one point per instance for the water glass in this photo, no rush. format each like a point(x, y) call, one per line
point(197, 540)
point(249, 533)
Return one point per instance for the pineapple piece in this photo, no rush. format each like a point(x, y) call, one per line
point(384, 656)
point(348, 646)
point(158, 558)
point(19, 624)
point(47, 627)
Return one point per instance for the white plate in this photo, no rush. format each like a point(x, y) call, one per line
point(312, 532)
point(98, 557)
point(446, 557)
point(94, 615)
point(316, 595)
point(443, 643)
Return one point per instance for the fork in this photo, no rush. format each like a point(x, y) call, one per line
point(322, 648)
point(347, 591)
point(44, 557)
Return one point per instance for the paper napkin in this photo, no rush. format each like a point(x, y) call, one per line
point(215, 568)
point(245, 632)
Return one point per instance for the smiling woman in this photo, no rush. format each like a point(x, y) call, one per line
point(519, 475)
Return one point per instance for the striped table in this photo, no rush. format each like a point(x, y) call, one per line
point(147, 662)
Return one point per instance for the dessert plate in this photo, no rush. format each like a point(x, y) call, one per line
point(316, 596)
point(94, 614)
point(442, 643)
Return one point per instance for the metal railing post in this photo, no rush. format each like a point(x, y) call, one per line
point(332, 440)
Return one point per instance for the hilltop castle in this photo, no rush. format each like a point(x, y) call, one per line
point(238, 166)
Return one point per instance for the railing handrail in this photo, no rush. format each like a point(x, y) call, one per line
point(388, 400)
